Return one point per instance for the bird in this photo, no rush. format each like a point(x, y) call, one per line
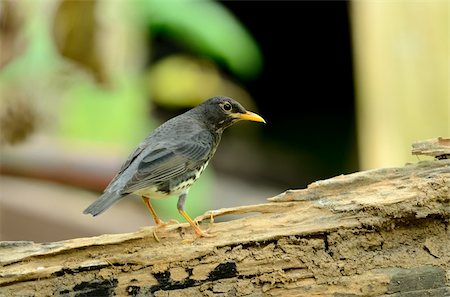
point(169, 160)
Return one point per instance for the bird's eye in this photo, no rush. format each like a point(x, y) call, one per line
point(226, 106)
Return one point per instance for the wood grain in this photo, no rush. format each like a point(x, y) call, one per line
point(345, 235)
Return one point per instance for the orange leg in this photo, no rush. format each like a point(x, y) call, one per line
point(197, 229)
point(180, 206)
point(152, 211)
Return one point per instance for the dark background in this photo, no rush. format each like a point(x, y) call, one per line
point(306, 88)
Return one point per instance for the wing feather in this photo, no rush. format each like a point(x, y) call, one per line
point(125, 165)
point(171, 161)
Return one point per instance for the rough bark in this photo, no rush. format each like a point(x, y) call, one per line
point(436, 147)
point(383, 231)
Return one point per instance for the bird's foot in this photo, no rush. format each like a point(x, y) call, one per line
point(156, 236)
point(200, 233)
point(160, 223)
point(211, 223)
point(195, 225)
point(198, 219)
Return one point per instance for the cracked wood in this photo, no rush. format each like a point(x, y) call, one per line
point(343, 235)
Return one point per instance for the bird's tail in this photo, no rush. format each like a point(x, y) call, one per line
point(103, 203)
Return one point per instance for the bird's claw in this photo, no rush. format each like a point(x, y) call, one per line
point(200, 218)
point(160, 223)
point(156, 236)
point(199, 232)
point(203, 234)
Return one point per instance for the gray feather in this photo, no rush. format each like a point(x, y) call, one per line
point(170, 162)
point(103, 203)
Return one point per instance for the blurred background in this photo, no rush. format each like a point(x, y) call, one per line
point(344, 86)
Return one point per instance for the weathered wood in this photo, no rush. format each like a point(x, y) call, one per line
point(436, 147)
point(383, 231)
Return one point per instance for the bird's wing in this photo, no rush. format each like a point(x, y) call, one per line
point(170, 161)
point(127, 163)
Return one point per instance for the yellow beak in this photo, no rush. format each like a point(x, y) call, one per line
point(250, 116)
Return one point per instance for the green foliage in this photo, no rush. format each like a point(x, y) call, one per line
point(119, 116)
point(208, 29)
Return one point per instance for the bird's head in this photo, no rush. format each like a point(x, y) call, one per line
point(221, 112)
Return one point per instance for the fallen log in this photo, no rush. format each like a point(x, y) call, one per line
point(378, 232)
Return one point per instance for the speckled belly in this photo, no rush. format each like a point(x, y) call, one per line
point(172, 187)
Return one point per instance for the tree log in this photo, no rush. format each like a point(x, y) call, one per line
point(378, 232)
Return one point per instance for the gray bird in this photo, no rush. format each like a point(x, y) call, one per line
point(170, 159)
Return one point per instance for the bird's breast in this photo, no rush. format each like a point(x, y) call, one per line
point(185, 183)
